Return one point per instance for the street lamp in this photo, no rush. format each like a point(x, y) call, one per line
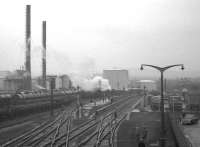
point(162, 69)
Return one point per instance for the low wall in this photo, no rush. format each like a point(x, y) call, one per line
point(177, 129)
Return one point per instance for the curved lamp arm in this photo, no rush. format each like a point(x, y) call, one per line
point(162, 68)
point(167, 67)
point(156, 67)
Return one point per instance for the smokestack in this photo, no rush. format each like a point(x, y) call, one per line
point(28, 46)
point(44, 53)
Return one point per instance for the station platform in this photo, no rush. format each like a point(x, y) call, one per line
point(127, 136)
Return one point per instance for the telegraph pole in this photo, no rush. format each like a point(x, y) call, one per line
point(52, 86)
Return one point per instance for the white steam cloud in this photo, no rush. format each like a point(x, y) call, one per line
point(91, 84)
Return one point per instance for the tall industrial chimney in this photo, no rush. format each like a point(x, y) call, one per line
point(44, 53)
point(28, 46)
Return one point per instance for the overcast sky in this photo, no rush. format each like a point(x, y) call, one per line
point(98, 34)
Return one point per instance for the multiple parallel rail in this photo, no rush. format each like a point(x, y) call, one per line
point(60, 132)
point(40, 133)
point(95, 131)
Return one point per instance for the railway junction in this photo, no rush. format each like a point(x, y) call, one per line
point(116, 121)
point(71, 128)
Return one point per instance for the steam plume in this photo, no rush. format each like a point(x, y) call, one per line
point(91, 84)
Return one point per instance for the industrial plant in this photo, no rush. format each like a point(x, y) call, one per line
point(108, 100)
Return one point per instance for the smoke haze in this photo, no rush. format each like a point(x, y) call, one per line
point(147, 31)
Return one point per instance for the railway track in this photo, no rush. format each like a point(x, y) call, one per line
point(60, 132)
point(107, 133)
point(90, 124)
point(36, 135)
point(50, 133)
point(104, 133)
point(83, 134)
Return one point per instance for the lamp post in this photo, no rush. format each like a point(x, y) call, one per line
point(52, 87)
point(144, 105)
point(162, 69)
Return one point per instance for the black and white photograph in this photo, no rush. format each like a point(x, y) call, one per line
point(100, 73)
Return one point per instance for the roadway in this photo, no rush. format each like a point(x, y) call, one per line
point(126, 135)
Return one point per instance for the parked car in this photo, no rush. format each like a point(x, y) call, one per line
point(189, 119)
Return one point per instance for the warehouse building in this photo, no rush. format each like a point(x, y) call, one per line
point(59, 82)
point(118, 79)
point(63, 82)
